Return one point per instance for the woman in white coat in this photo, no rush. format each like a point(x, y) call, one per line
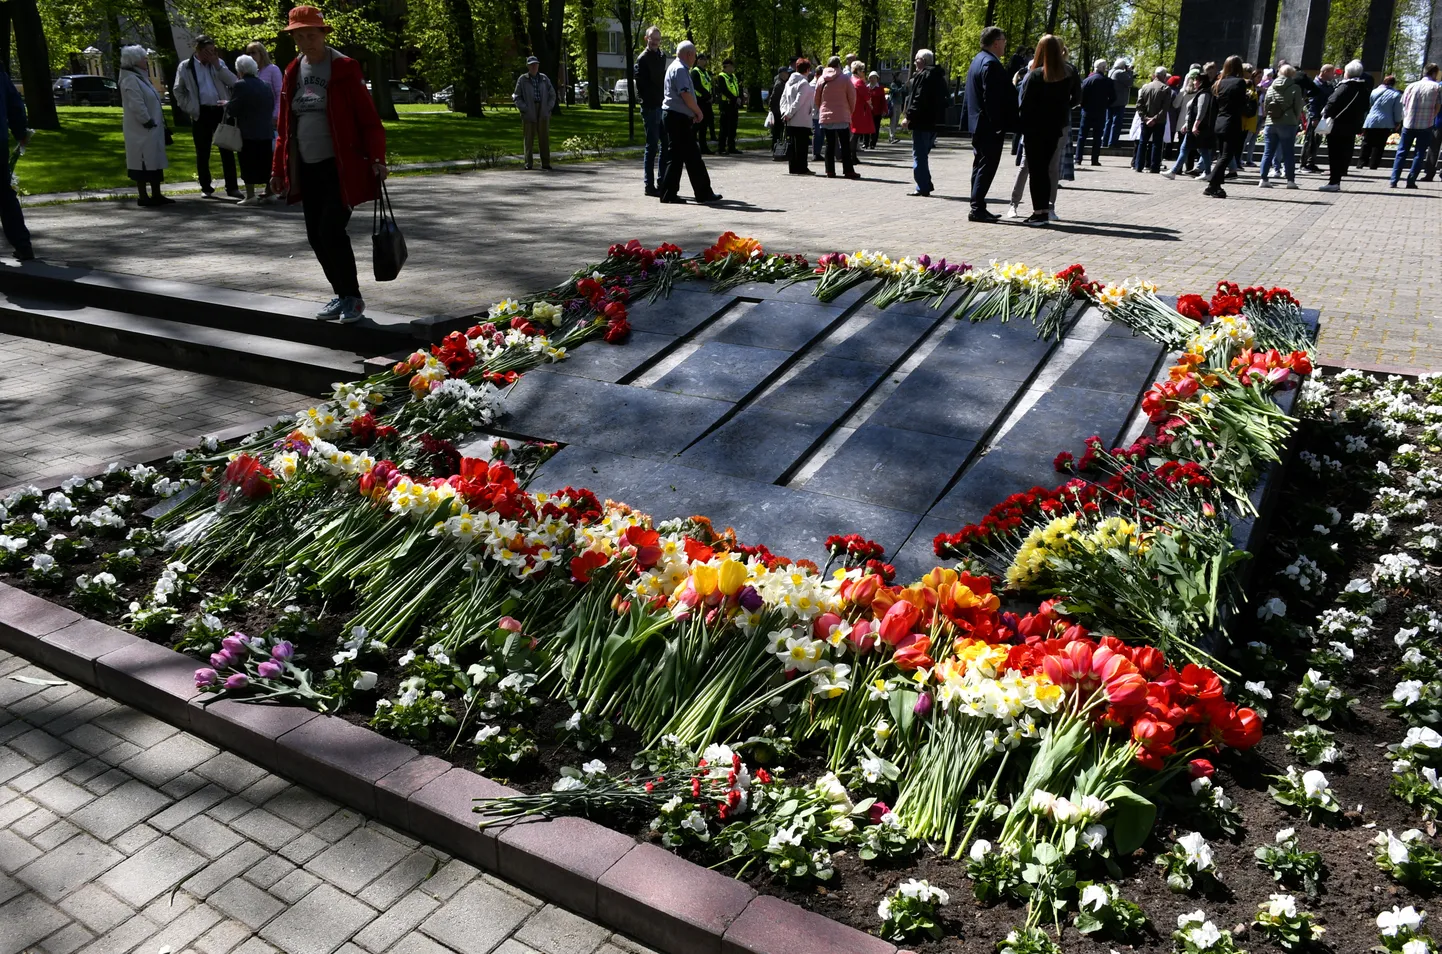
point(798, 103)
point(144, 125)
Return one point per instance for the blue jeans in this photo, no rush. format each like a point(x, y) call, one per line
point(921, 143)
point(652, 118)
point(1421, 138)
point(1093, 124)
point(1148, 153)
point(1281, 146)
point(1183, 151)
point(1249, 148)
point(817, 140)
point(1112, 134)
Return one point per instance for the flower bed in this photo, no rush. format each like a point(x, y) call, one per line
point(823, 732)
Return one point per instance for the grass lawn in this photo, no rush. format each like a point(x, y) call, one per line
point(88, 152)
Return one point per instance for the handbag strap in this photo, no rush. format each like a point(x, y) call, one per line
point(382, 210)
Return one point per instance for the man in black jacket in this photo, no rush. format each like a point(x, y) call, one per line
point(703, 81)
point(650, 87)
point(727, 88)
point(990, 108)
point(925, 110)
point(1097, 93)
point(1318, 91)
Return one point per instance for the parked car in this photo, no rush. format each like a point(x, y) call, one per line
point(83, 90)
point(622, 91)
point(404, 93)
point(443, 95)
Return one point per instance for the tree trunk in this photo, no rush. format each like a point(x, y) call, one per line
point(990, 13)
point(467, 93)
point(623, 13)
point(34, 55)
point(166, 55)
point(554, 27)
point(748, 50)
point(284, 50)
point(593, 53)
point(1051, 15)
point(381, 85)
point(920, 26)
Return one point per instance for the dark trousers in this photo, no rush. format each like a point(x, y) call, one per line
point(1340, 146)
point(1040, 149)
point(1229, 149)
point(1093, 122)
point(1311, 142)
point(838, 139)
point(684, 151)
point(1113, 131)
point(1149, 147)
point(11, 217)
point(326, 216)
point(727, 142)
point(1373, 142)
point(652, 118)
point(986, 145)
point(797, 147)
point(706, 128)
point(204, 131)
point(1430, 169)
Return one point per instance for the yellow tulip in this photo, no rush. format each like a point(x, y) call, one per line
point(731, 577)
point(703, 579)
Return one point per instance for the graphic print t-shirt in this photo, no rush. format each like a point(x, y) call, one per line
point(312, 129)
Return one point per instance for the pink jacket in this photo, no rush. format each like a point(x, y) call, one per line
point(835, 97)
point(862, 120)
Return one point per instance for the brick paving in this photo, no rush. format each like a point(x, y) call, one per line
point(66, 409)
point(1366, 257)
point(120, 833)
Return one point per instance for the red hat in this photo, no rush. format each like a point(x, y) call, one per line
point(1174, 81)
point(301, 17)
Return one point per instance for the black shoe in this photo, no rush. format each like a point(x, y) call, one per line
point(235, 193)
point(159, 199)
point(1215, 193)
point(713, 197)
point(987, 214)
point(1096, 162)
point(979, 217)
point(547, 169)
point(24, 255)
point(919, 193)
point(146, 201)
point(207, 192)
point(1036, 219)
point(529, 166)
point(653, 192)
point(1411, 184)
point(1427, 177)
point(674, 200)
point(1231, 175)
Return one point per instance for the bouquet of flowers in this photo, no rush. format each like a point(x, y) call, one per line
point(1009, 290)
point(735, 260)
point(1136, 305)
point(915, 279)
point(838, 273)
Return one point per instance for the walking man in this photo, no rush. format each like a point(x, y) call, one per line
point(202, 86)
point(1420, 104)
point(1097, 93)
point(1122, 78)
point(728, 95)
point(990, 106)
point(12, 120)
point(535, 97)
point(683, 114)
point(701, 83)
point(651, 87)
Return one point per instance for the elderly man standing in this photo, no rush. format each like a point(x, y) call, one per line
point(991, 102)
point(1097, 94)
point(535, 97)
point(926, 99)
point(1318, 91)
point(1153, 101)
point(650, 89)
point(683, 114)
point(12, 121)
point(202, 87)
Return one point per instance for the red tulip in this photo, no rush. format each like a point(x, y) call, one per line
point(898, 622)
point(1200, 768)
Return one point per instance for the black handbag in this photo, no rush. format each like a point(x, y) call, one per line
point(781, 149)
point(386, 238)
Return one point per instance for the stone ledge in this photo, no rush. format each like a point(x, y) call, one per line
point(639, 889)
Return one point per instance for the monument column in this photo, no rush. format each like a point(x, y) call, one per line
point(1216, 29)
point(1302, 32)
point(1434, 35)
point(1379, 34)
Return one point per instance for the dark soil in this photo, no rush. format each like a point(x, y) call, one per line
point(1354, 890)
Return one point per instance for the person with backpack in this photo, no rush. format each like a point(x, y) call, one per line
point(1285, 105)
point(1347, 109)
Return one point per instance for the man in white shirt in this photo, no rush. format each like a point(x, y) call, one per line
point(202, 87)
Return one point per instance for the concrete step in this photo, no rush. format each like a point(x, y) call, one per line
point(287, 319)
point(291, 365)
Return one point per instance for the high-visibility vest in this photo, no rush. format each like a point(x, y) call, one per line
point(702, 78)
point(732, 85)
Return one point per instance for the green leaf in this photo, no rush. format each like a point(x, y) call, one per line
point(1087, 923)
point(787, 808)
point(1134, 817)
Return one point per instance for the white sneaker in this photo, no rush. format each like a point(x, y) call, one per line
point(1329, 187)
point(1013, 213)
point(1051, 214)
point(249, 200)
point(1292, 185)
point(353, 309)
point(1169, 174)
point(1263, 184)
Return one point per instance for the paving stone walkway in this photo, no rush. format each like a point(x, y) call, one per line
point(119, 833)
point(1366, 257)
point(66, 410)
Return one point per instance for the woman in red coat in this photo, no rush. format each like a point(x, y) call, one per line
point(879, 107)
point(863, 121)
point(330, 153)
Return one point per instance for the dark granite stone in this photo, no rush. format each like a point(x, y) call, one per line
point(726, 372)
point(892, 468)
point(561, 407)
point(607, 474)
point(680, 314)
point(167, 504)
point(827, 388)
point(946, 398)
point(783, 325)
point(990, 349)
point(1122, 365)
point(801, 292)
point(916, 557)
point(608, 362)
point(760, 443)
point(886, 338)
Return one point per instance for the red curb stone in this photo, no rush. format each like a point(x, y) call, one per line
point(443, 812)
point(72, 650)
point(24, 619)
point(563, 858)
point(341, 760)
point(393, 792)
point(151, 678)
point(247, 728)
point(668, 902)
point(772, 926)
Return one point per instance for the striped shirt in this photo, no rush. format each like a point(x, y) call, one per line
point(1420, 103)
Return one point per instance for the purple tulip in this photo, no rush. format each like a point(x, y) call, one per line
point(221, 660)
point(234, 644)
point(749, 599)
point(282, 650)
point(268, 669)
point(237, 680)
point(924, 261)
point(922, 707)
point(205, 677)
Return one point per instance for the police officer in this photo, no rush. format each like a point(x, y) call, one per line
point(728, 94)
point(701, 79)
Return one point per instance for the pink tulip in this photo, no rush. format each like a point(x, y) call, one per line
point(282, 650)
point(205, 677)
point(268, 669)
point(237, 680)
point(221, 660)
